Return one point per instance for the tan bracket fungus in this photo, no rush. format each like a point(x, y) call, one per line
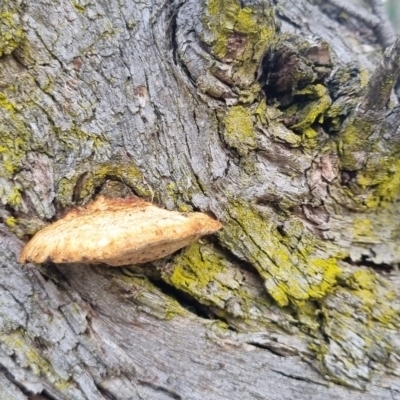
point(117, 232)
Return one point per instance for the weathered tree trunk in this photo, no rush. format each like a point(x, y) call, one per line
point(268, 116)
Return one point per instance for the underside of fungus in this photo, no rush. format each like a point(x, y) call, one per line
point(117, 232)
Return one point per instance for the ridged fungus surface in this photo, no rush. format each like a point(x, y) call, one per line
point(117, 232)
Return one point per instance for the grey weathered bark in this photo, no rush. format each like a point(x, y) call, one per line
point(266, 115)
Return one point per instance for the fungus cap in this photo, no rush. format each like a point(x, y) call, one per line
point(117, 232)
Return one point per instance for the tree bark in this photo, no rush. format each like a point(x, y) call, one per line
point(278, 119)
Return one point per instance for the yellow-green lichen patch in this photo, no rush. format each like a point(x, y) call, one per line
point(78, 7)
point(14, 144)
point(382, 180)
point(10, 222)
point(310, 111)
point(73, 138)
point(85, 182)
point(238, 35)
point(14, 198)
point(282, 134)
point(14, 138)
point(346, 86)
point(239, 132)
point(377, 168)
point(29, 357)
point(308, 318)
point(374, 161)
point(173, 309)
point(11, 34)
point(354, 143)
point(23, 350)
point(361, 319)
point(268, 116)
point(250, 95)
point(180, 195)
point(296, 265)
point(139, 290)
point(362, 229)
point(195, 272)
point(203, 272)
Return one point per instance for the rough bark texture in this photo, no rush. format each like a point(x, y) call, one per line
point(268, 116)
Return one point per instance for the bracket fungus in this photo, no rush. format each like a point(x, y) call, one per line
point(117, 232)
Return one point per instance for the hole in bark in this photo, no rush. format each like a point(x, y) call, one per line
point(347, 176)
point(281, 230)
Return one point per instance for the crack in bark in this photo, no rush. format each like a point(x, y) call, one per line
point(22, 305)
point(43, 395)
point(257, 245)
point(365, 262)
point(158, 388)
point(299, 378)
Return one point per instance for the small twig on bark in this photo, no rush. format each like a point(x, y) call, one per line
point(370, 20)
point(377, 20)
point(383, 79)
point(384, 28)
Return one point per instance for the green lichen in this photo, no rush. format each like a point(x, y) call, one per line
point(362, 229)
point(250, 95)
point(192, 271)
point(377, 169)
point(295, 265)
point(14, 138)
point(361, 319)
point(269, 116)
point(261, 112)
point(308, 318)
point(74, 137)
point(11, 34)
point(85, 182)
point(347, 85)
point(204, 272)
point(173, 309)
point(173, 192)
point(314, 111)
point(238, 35)
point(10, 222)
point(14, 144)
point(14, 198)
point(314, 101)
point(18, 344)
point(282, 134)
point(180, 194)
point(361, 148)
point(239, 132)
point(352, 141)
point(382, 180)
point(78, 7)
point(145, 295)
point(184, 208)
